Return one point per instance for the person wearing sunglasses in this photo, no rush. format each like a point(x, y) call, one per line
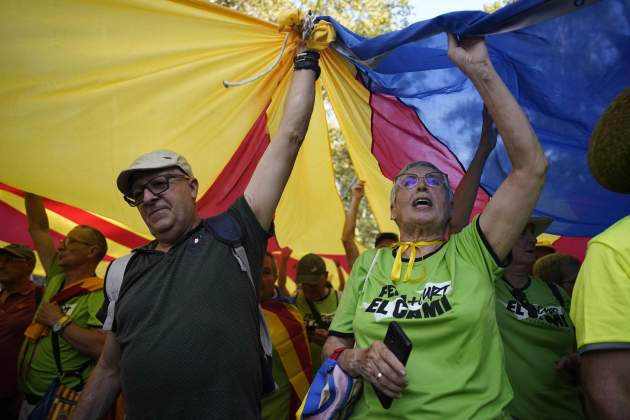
point(441, 290)
point(538, 336)
point(70, 302)
point(186, 322)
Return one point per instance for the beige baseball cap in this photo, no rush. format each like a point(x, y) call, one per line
point(158, 159)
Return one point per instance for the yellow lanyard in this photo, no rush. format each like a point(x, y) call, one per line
point(402, 248)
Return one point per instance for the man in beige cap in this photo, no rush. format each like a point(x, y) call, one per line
point(18, 300)
point(184, 341)
point(317, 302)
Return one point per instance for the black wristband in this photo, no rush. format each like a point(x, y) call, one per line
point(308, 65)
point(307, 55)
point(307, 60)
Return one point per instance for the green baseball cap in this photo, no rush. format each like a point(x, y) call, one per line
point(310, 269)
point(20, 251)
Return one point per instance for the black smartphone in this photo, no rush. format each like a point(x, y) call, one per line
point(398, 343)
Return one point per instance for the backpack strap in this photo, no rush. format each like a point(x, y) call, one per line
point(226, 228)
point(556, 293)
point(113, 281)
point(316, 314)
point(39, 292)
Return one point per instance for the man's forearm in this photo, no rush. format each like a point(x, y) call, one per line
point(605, 377)
point(98, 395)
point(466, 192)
point(35, 212)
point(298, 108)
point(272, 173)
point(85, 340)
point(350, 223)
point(39, 229)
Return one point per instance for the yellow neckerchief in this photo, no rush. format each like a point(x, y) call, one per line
point(402, 248)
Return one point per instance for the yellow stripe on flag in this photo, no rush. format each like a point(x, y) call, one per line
point(285, 349)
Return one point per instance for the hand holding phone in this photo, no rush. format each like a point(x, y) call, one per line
point(400, 345)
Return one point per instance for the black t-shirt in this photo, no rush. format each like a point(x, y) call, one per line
point(187, 325)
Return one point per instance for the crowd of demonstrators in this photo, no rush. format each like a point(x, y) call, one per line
point(196, 312)
point(292, 369)
point(559, 269)
point(190, 294)
point(538, 336)
point(601, 298)
point(317, 300)
point(458, 368)
point(19, 298)
point(65, 326)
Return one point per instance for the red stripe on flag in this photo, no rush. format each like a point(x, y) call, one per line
point(82, 217)
point(572, 245)
point(235, 176)
point(15, 228)
point(399, 137)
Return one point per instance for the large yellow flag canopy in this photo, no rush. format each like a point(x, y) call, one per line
point(86, 87)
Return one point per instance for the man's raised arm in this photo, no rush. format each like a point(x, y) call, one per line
point(39, 230)
point(272, 173)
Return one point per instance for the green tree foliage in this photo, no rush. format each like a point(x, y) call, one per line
point(365, 17)
point(496, 5)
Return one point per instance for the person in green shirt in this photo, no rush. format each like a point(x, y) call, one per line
point(72, 297)
point(441, 292)
point(538, 336)
point(317, 302)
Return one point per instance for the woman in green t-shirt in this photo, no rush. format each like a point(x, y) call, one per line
point(441, 292)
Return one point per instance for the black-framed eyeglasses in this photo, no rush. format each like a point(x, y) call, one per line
point(156, 185)
point(432, 179)
point(69, 241)
point(520, 297)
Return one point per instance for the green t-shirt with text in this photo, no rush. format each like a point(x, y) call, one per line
point(532, 348)
point(326, 307)
point(456, 367)
point(82, 310)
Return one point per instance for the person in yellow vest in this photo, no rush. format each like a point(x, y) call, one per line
point(70, 302)
point(292, 370)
